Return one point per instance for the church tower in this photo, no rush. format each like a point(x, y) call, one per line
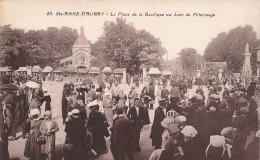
point(81, 51)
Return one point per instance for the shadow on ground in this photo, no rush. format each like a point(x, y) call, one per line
point(59, 154)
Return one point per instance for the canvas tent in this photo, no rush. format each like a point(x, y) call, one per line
point(107, 70)
point(94, 70)
point(47, 69)
point(154, 71)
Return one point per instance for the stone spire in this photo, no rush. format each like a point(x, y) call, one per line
point(81, 30)
point(247, 48)
point(82, 41)
point(247, 70)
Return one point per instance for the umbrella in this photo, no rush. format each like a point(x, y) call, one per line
point(87, 81)
point(32, 84)
point(10, 86)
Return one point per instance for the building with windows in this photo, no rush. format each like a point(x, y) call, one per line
point(81, 54)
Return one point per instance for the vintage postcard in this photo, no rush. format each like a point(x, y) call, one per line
point(149, 79)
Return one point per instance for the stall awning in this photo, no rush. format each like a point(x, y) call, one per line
point(4, 69)
point(107, 70)
point(94, 70)
point(36, 69)
point(154, 71)
point(47, 69)
point(22, 69)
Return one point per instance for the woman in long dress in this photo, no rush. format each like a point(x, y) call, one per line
point(32, 147)
point(48, 128)
point(108, 108)
point(76, 132)
point(145, 100)
point(121, 99)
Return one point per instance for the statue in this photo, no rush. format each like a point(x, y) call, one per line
point(247, 48)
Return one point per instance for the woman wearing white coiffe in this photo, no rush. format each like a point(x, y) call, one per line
point(165, 136)
point(217, 148)
point(107, 106)
point(48, 129)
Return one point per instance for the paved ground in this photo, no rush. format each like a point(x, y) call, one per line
point(16, 148)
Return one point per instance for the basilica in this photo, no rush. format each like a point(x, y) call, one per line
point(81, 54)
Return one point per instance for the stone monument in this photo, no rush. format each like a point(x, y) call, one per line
point(247, 69)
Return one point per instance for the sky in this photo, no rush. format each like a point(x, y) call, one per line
point(175, 32)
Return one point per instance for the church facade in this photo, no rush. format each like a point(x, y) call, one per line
point(81, 54)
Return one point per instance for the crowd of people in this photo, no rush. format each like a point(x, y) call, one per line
point(212, 129)
point(197, 127)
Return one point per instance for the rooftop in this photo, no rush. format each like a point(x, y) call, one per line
point(154, 71)
point(82, 40)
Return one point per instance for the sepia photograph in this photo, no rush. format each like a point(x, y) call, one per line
point(129, 80)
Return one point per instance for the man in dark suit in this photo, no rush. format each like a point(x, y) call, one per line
point(157, 129)
point(135, 115)
point(121, 136)
point(151, 94)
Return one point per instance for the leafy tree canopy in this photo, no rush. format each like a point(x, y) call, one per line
point(35, 47)
point(190, 60)
point(230, 47)
point(122, 45)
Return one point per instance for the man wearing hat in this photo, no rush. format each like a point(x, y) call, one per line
point(157, 129)
point(121, 136)
point(97, 125)
point(136, 117)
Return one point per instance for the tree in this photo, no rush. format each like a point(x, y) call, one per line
point(190, 60)
point(35, 47)
point(10, 42)
point(124, 46)
point(230, 47)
